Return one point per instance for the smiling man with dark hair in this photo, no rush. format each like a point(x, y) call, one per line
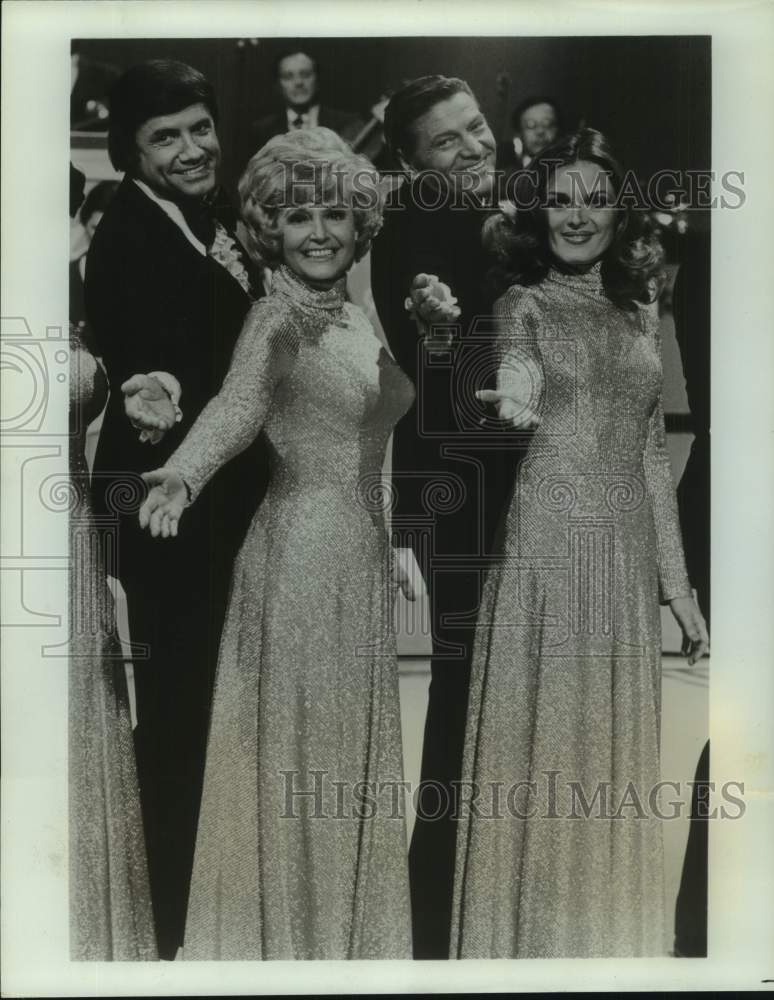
point(167, 290)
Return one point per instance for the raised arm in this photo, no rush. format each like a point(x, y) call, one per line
point(264, 355)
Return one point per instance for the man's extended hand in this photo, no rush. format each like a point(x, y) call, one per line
point(148, 406)
point(431, 301)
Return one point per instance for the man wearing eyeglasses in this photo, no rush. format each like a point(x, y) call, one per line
point(536, 123)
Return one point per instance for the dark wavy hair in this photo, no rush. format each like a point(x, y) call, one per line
point(147, 90)
point(413, 100)
point(517, 236)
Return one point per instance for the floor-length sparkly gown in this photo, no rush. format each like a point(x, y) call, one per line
point(110, 907)
point(301, 852)
point(565, 690)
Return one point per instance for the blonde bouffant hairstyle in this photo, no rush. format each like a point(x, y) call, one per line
point(301, 167)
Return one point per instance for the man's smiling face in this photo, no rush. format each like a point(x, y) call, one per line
point(179, 154)
point(453, 137)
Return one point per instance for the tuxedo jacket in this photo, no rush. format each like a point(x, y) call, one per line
point(444, 422)
point(154, 303)
point(343, 123)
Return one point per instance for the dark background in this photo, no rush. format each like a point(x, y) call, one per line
point(649, 94)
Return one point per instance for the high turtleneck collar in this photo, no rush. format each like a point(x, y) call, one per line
point(588, 282)
point(288, 283)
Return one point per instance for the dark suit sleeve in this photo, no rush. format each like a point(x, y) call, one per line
point(131, 305)
point(429, 243)
point(416, 239)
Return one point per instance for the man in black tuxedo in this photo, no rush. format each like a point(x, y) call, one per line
point(297, 75)
point(167, 290)
point(453, 465)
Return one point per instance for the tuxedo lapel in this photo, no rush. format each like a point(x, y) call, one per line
point(169, 238)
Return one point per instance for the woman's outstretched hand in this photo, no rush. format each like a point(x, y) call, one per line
point(694, 628)
point(512, 406)
point(519, 392)
point(164, 504)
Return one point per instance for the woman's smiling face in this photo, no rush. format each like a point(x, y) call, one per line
point(318, 242)
point(580, 214)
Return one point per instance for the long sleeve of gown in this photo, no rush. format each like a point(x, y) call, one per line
point(263, 356)
point(519, 368)
point(673, 576)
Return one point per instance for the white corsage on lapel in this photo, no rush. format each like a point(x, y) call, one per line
point(224, 250)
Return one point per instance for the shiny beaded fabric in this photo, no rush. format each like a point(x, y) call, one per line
point(565, 689)
point(291, 860)
point(110, 906)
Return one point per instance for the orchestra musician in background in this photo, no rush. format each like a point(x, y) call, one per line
point(536, 123)
point(297, 78)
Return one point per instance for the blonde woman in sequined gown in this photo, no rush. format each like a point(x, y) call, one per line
point(110, 907)
point(564, 712)
point(301, 851)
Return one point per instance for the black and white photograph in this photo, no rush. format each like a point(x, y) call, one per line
point(361, 529)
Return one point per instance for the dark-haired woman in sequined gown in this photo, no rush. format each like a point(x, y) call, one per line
point(562, 856)
point(301, 847)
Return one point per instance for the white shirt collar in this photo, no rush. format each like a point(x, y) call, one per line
point(310, 117)
point(174, 213)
